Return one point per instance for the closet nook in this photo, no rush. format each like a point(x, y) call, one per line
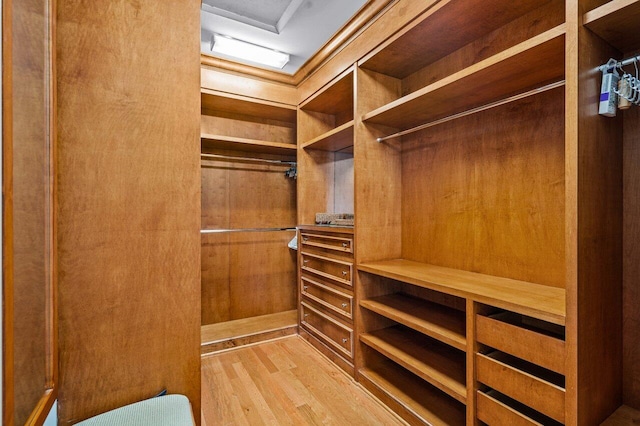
point(248, 166)
point(482, 282)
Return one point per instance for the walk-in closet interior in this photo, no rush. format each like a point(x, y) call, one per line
point(432, 220)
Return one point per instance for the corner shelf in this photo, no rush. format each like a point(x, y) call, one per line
point(388, 381)
point(336, 139)
point(535, 300)
point(530, 64)
point(213, 100)
point(439, 322)
point(247, 145)
point(617, 23)
point(441, 366)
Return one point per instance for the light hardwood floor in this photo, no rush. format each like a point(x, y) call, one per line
point(284, 382)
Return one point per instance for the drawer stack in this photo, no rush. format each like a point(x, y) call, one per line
point(326, 291)
point(520, 370)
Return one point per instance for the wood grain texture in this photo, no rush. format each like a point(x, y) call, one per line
point(28, 288)
point(284, 382)
point(525, 66)
point(623, 416)
point(128, 204)
point(245, 85)
point(492, 188)
point(631, 259)
point(535, 300)
point(520, 342)
point(593, 235)
point(442, 323)
point(437, 364)
point(496, 371)
point(617, 23)
point(546, 16)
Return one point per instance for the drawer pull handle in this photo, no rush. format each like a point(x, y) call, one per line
point(344, 305)
point(305, 239)
point(305, 261)
point(344, 245)
point(345, 340)
point(344, 273)
point(306, 315)
point(305, 287)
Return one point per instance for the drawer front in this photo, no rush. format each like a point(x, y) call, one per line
point(328, 297)
point(540, 349)
point(328, 329)
point(329, 268)
point(329, 242)
point(495, 413)
point(530, 390)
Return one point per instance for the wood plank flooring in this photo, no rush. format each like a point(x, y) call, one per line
point(284, 382)
point(231, 334)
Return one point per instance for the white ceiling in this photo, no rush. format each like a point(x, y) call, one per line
point(297, 27)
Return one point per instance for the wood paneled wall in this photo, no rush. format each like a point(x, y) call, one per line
point(631, 260)
point(246, 274)
point(487, 192)
point(128, 210)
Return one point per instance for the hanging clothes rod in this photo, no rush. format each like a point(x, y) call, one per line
point(609, 66)
point(221, 231)
point(257, 160)
point(475, 110)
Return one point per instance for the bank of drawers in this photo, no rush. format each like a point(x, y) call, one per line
point(326, 291)
point(521, 370)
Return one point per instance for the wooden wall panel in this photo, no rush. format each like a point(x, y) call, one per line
point(253, 87)
point(31, 200)
point(594, 234)
point(485, 193)
point(246, 274)
point(128, 203)
point(631, 259)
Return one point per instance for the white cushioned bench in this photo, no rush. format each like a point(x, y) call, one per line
point(168, 410)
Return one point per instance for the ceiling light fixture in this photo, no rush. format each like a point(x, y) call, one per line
point(248, 51)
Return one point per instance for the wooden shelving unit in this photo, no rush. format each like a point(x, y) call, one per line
point(247, 145)
point(239, 123)
point(430, 38)
point(337, 139)
point(617, 23)
point(213, 100)
point(530, 64)
point(410, 395)
point(535, 300)
point(439, 322)
point(441, 366)
point(328, 115)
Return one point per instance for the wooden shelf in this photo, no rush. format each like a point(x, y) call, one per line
point(334, 140)
point(432, 38)
point(439, 322)
point(392, 383)
point(335, 98)
point(213, 100)
point(535, 300)
point(247, 145)
point(437, 364)
point(617, 23)
point(623, 416)
point(535, 62)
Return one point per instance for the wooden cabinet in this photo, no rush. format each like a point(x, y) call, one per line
point(326, 291)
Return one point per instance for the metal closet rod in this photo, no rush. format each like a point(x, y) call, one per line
point(610, 66)
point(221, 231)
point(475, 110)
point(257, 160)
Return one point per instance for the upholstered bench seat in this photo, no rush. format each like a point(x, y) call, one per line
point(168, 410)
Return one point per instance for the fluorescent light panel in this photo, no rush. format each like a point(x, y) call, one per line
point(248, 51)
